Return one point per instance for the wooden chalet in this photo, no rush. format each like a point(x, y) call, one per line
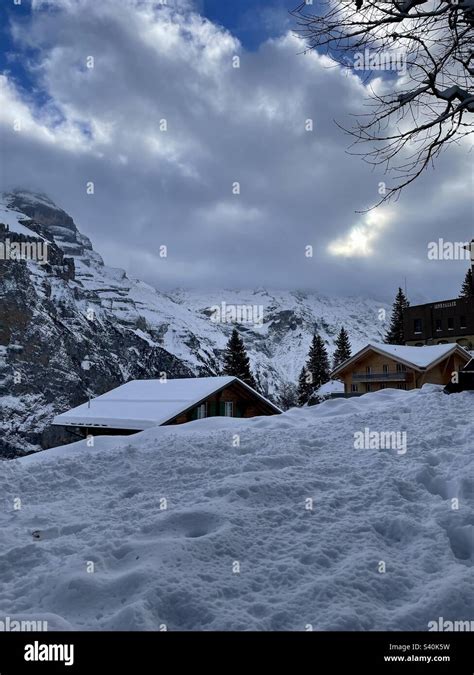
point(141, 404)
point(379, 366)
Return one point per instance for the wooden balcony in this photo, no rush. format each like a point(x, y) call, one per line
point(402, 376)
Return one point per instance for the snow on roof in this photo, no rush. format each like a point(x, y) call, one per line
point(140, 404)
point(331, 387)
point(419, 357)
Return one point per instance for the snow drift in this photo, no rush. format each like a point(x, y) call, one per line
point(238, 546)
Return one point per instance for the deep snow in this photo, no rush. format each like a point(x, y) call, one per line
point(247, 504)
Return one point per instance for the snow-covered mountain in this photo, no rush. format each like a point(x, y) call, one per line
point(75, 327)
point(278, 347)
point(309, 519)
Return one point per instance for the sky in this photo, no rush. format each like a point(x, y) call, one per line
point(213, 161)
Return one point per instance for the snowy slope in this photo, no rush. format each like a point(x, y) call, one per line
point(246, 505)
point(278, 347)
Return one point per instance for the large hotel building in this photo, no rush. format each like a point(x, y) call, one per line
point(442, 322)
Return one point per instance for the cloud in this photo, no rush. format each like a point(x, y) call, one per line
point(18, 116)
point(362, 237)
point(165, 125)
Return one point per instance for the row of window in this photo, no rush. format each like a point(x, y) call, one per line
point(401, 368)
point(418, 324)
point(375, 387)
point(202, 410)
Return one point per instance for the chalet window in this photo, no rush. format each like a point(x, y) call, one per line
point(439, 324)
point(202, 411)
point(401, 386)
point(368, 370)
point(463, 321)
point(383, 385)
point(229, 409)
point(385, 368)
point(401, 368)
point(369, 387)
point(354, 387)
point(451, 323)
point(418, 326)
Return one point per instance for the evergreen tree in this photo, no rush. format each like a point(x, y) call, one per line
point(343, 348)
point(318, 362)
point(288, 396)
point(304, 387)
point(396, 333)
point(316, 371)
point(236, 361)
point(467, 288)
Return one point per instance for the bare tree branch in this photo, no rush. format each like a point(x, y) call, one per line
point(429, 47)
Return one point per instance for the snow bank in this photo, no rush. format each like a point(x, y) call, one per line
point(237, 547)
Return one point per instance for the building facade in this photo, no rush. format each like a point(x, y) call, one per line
point(380, 366)
point(439, 323)
point(443, 322)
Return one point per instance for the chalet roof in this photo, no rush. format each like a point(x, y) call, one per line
point(419, 358)
point(140, 404)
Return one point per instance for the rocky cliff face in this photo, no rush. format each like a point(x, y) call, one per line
point(74, 327)
point(58, 346)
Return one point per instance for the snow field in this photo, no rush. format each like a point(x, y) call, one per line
point(248, 504)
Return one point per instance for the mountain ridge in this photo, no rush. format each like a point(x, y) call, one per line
point(84, 327)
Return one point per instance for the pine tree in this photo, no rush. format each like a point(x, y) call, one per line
point(304, 387)
point(467, 288)
point(288, 396)
point(318, 362)
point(343, 348)
point(236, 361)
point(396, 333)
point(316, 372)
